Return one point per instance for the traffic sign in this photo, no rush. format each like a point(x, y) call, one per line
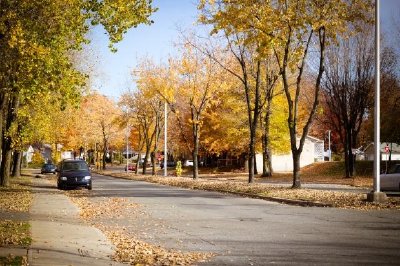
point(387, 150)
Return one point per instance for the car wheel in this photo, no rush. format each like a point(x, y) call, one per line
point(89, 187)
point(59, 187)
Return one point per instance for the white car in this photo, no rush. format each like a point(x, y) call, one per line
point(188, 163)
point(391, 180)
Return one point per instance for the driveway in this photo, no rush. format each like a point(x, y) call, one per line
point(244, 231)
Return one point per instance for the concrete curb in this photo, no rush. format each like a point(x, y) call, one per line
point(303, 203)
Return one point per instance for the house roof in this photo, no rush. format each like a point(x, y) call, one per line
point(314, 139)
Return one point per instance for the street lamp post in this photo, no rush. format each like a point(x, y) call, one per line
point(127, 139)
point(376, 195)
point(165, 138)
point(127, 146)
point(329, 146)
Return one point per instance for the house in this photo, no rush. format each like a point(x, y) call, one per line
point(28, 154)
point(313, 151)
point(393, 147)
point(46, 151)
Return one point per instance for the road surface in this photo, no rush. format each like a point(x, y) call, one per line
point(244, 231)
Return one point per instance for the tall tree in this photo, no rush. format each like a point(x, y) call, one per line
point(348, 87)
point(199, 80)
point(35, 37)
point(287, 29)
point(390, 96)
point(98, 115)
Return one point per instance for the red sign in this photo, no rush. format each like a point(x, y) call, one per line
point(387, 150)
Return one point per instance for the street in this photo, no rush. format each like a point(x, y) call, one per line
point(243, 231)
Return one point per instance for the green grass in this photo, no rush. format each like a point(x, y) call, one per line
point(12, 261)
point(334, 169)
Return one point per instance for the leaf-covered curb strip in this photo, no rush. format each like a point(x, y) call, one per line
point(128, 248)
point(14, 233)
point(303, 197)
point(16, 198)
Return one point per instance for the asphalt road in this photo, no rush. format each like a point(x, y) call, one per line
point(243, 231)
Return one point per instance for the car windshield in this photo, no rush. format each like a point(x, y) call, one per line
point(74, 166)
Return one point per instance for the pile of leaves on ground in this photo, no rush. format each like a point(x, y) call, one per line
point(230, 184)
point(15, 201)
point(129, 249)
point(17, 197)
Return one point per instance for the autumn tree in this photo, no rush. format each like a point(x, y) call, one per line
point(199, 80)
point(347, 89)
point(35, 37)
point(98, 123)
point(288, 29)
point(390, 97)
point(251, 71)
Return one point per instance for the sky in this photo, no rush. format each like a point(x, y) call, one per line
point(113, 70)
point(156, 41)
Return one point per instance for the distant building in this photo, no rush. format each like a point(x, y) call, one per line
point(313, 151)
point(393, 147)
point(28, 154)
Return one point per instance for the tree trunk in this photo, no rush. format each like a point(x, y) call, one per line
point(146, 157)
point(138, 162)
point(3, 103)
point(349, 160)
point(251, 156)
point(16, 170)
point(104, 154)
point(6, 163)
point(267, 165)
point(10, 118)
point(195, 154)
point(296, 169)
point(153, 162)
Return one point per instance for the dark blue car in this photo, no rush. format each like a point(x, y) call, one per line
point(74, 173)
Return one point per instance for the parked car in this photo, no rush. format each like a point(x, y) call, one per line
point(48, 168)
point(188, 163)
point(72, 174)
point(131, 167)
point(169, 164)
point(391, 180)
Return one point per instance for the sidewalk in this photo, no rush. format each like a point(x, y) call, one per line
point(59, 236)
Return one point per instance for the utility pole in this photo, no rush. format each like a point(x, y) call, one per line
point(376, 195)
point(165, 138)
